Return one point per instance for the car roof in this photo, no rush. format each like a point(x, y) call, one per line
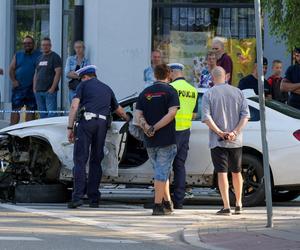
point(247, 92)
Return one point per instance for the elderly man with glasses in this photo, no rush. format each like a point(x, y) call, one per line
point(224, 60)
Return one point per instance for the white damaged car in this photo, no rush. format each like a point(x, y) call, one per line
point(39, 152)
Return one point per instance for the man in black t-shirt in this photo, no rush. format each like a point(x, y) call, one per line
point(156, 110)
point(46, 79)
point(291, 81)
point(251, 81)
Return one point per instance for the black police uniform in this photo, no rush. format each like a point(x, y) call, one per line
point(96, 97)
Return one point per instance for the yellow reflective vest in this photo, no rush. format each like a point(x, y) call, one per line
point(188, 98)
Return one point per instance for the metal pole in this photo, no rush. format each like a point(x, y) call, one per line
point(262, 110)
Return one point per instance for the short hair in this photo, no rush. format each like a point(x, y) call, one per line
point(29, 37)
point(89, 75)
point(276, 61)
point(218, 72)
point(219, 41)
point(161, 71)
point(156, 50)
point(46, 39)
point(80, 42)
point(211, 53)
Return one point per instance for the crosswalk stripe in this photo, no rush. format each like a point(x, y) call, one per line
point(87, 221)
point(17, 238)
point(112, 241)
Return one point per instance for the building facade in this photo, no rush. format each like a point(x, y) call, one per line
point(120, 34)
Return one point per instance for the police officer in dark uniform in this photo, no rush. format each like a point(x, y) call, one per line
point(93, 103)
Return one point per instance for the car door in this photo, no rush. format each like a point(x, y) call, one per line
point(113, 149)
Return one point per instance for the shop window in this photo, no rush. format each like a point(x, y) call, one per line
point(31, 18)
point(183, 31)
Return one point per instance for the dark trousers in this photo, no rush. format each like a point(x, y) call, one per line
point(89, 142)
point(182, 141)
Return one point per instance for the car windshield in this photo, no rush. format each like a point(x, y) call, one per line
point(280, 107)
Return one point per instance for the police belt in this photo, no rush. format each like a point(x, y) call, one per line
point(89, 116)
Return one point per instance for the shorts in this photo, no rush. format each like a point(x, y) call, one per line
point(162, 159)
point(227, 159)
point(23, 97)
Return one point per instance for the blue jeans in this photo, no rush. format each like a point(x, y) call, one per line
point(72, 93)
point(46, 102)
point(162, 159)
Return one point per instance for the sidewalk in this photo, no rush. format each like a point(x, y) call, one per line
point(247, 231)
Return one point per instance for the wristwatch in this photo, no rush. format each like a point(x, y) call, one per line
point(70, 128)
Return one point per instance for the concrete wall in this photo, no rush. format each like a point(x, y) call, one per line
point(118, 40)
point(275, 50)
point(6, 46)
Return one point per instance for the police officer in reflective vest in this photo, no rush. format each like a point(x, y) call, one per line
point(188, 98)
point(93, 103)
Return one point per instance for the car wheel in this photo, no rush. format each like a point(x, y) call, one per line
point(284, 195)
point(253, 187)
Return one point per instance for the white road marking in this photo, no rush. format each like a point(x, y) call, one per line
point(112, 241)
point(16, 238)
point(86, 221)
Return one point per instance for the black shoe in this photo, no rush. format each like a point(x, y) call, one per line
point(238, 210)
point(224, 211)
point(159, 209)
point(94, 204)
point(168, 207)
point(178, 206)
point(75, 204)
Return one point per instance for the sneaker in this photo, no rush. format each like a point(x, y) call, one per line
point(93, 204)
point(158, 209)
point(224, 211)
point(178, 206)
point(75, 204)
point(168, 207)
point(238, 210)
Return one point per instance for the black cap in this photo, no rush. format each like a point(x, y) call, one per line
point(265, 61)
point(297, 50)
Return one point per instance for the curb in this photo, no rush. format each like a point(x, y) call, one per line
point(191, 237)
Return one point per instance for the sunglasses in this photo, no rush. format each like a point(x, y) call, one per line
point(215, 48)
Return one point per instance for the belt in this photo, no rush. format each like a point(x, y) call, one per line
point(89, 116)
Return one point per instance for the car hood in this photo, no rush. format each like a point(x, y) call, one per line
point(36, 123)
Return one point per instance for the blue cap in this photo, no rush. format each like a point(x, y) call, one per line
point(90, 69)
point(176, 66)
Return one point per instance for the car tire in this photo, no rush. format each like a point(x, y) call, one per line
point(284, 195)
point(253, 187)
point(44, 193)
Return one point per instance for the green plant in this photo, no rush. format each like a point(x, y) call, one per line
point(284, 20)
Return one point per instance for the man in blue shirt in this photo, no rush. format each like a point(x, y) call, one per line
point(291, 81)
point(96, 101)
point(251, 81)
point(21, 72)
point(149, 78)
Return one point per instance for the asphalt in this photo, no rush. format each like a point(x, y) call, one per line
point(121, 226)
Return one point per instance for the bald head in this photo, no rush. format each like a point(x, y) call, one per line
point(218, 75)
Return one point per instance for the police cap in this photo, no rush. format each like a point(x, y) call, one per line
point(176, 66)
point(90, 69)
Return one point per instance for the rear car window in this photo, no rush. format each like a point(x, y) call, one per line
point(254, 113)
point(280, 107)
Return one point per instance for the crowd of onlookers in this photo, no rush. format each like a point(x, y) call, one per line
point(35, 75)
point(279, 87)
